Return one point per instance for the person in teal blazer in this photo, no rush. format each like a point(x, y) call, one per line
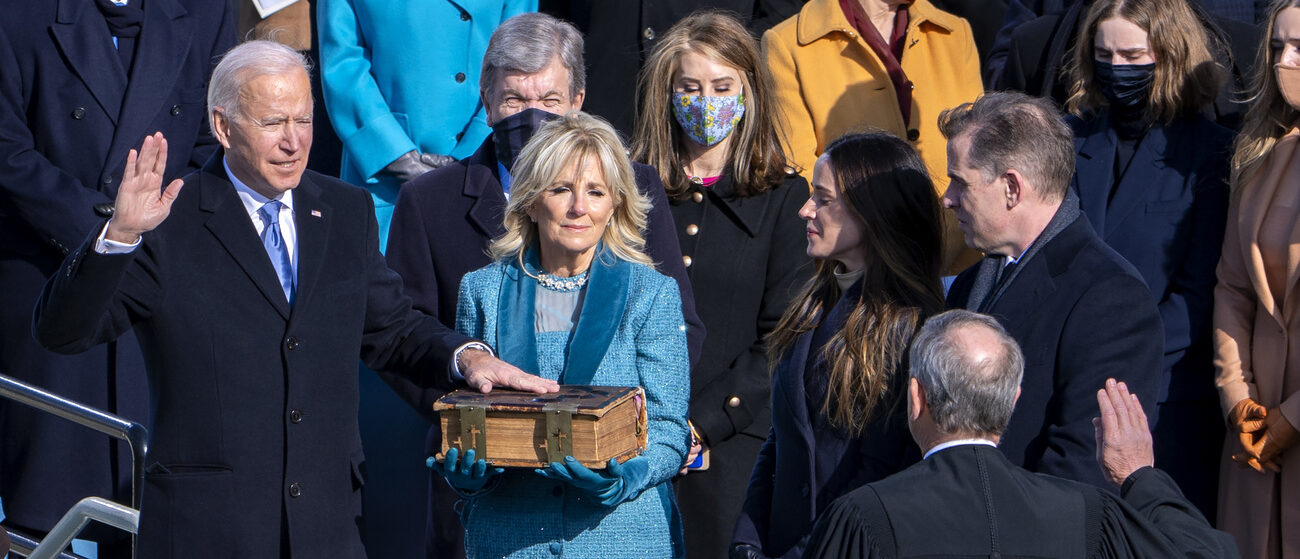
point(571, 296)
point(401, 85)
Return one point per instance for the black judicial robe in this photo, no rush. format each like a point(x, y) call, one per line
point(969, 501)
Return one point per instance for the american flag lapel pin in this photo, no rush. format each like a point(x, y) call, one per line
point(315, 213)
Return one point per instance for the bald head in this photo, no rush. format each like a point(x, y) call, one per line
point(970, 370)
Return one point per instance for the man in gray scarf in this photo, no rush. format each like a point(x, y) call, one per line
point(1079, 310)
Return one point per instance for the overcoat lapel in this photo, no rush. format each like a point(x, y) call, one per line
point(602, 310)
point(482, 184)
point(791, 386)
point(312, 220)
point(516, 328)
point(83, 38)
point(230, 224)
point(1094, 173)
point(1254, 200)
point(1293, 273)
point(1032, 285)
point(1139, 182)
point(164, 43)
point(746, 211)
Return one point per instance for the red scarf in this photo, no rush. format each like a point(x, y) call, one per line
point(891, 53)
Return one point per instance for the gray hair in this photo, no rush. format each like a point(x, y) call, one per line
point(527, 43)
point(966, 396)
point(245, 62)
point(1010, 130)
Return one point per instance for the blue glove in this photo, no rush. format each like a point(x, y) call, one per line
point(618, 483)
point(465, 476)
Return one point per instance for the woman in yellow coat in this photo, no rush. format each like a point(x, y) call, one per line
point(831, 81)
point(1256, 318)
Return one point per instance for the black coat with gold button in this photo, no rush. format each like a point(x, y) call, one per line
point(746, 259)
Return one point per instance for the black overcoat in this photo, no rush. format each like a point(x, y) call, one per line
point(254, 444)
point(1081, 315)
point(747, 261)
point(68, 116)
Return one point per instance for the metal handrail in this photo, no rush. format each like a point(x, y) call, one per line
point(135, 435)
point(90, 508)
point(23, 546)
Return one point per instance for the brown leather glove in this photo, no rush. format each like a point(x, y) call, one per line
point(1247, 419)
point(1247, 416)
point(1281, 436)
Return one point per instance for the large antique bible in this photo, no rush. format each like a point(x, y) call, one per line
point(522, 429)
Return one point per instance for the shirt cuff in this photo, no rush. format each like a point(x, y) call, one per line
point(103, 245)
point(455, 358)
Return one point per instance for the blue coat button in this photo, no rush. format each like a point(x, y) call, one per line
point(557, 548)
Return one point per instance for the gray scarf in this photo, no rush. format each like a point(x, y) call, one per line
point(987, 288)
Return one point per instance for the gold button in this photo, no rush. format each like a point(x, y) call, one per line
point(734, 402)
point(687, 261)
point(692, 229)
point(697, 197)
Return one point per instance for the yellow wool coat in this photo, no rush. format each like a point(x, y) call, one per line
point(1257, 355)
point(830, 83)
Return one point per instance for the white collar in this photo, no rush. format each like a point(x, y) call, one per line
point(958, 442)
point(251, 199)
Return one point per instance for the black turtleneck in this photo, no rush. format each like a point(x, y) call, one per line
point(1130, 127)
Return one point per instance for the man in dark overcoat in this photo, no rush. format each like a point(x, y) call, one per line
point(82, 82)
point(1079, 310)
point(254, 286)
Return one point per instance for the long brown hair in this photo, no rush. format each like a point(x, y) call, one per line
point(1269, 116)
point(886, 186)
point(756, 160)
point(1186, 76)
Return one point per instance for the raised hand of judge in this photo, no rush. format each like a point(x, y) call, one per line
point(142, 204)
point(1123, 436)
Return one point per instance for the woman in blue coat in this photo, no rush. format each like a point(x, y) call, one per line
point(572, 296)
point(838, 416)
point(1151, 174)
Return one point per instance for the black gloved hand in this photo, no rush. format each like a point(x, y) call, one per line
point(413, 164)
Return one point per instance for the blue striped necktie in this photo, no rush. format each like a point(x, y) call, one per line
point(275, 248)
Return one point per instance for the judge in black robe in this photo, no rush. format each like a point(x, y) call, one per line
point(965, 499)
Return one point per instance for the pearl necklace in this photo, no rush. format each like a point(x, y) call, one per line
point(564, 285)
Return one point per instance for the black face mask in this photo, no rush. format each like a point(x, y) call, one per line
point(1126, 86)
point(512, 132)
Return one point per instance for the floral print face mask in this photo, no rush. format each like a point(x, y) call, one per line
point(708, 120)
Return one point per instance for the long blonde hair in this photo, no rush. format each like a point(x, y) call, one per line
point(575, 137)
point(756, 161)
point(1269, 116)
point(1186, 77)
point(885, 184)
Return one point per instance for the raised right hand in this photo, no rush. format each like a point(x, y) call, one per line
point(142, 204)
point(1123, 435)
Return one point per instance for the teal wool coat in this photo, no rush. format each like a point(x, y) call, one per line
point(630, 333)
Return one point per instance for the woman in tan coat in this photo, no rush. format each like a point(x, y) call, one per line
point(844, 66)
point(1256, 318)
